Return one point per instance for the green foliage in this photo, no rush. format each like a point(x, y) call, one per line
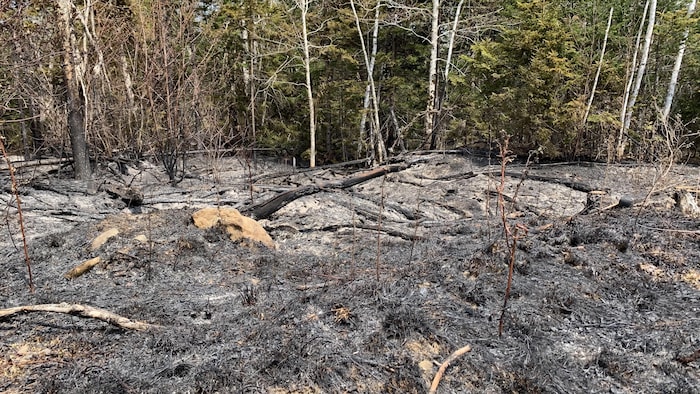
point(529, 79)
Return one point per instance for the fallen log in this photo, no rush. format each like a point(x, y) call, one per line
point(265, 209)
point(81, 311)
point(383, 229)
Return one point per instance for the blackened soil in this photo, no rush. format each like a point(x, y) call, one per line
point(409, 268)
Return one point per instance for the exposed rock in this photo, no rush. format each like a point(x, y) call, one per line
point(237, 226)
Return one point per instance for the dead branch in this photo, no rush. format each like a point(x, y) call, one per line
point(582, 187)
point(78, 310)
point(20, 165)
point(267, 208)
point(445, 364)
point(295, 171)
point(383, 229)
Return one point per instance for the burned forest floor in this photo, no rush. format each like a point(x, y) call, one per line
point(368, 288)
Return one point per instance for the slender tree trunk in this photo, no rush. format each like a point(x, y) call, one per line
point(432, 78)
point(252, 91)
point(600, 65)
point(677, 68)
point(76, 126)
point(640, 75)
point(376, 140)
point(304, 6)
point(621, 137)
point(450, 47)
point(442, 89)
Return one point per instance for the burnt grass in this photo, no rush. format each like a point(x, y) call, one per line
point(607, 301)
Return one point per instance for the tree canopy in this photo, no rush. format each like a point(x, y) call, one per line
point(164, 78)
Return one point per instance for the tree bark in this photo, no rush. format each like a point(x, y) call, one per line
point(76, 126)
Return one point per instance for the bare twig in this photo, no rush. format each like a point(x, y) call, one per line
point(19, 214)
point(511, 236)
point(379, 227)
point(445, 364)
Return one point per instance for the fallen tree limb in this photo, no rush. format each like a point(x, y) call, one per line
point(267, 208)
point(383, 229)
point(22, 164)
point(443, 367)
point(78, 310)
point(82, 268)
point(582, 187)
point(299, 170)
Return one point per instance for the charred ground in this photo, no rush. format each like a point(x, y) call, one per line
point(370, 288)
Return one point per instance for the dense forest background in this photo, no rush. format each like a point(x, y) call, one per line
point(328, 81)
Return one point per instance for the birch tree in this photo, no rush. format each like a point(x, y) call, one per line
point(304, 8)
point(600, 66)
point(375, 137)
point(448, 63)
point(677, 68)
point(453, 33)
point(629, 105)
point(432, 78)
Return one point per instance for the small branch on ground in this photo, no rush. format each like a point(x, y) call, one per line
point(81, 311)
point(82, 268)
point(445, 364)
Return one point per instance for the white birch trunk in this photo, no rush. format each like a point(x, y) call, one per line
point(677, 68)
point(432, 75)
point(376, 140)
point(639, 77)
point(600, 65)
point(633, 67)
point(450, 47)
point(304, 6)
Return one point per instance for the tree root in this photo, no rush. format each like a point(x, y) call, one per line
point(79, 310)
